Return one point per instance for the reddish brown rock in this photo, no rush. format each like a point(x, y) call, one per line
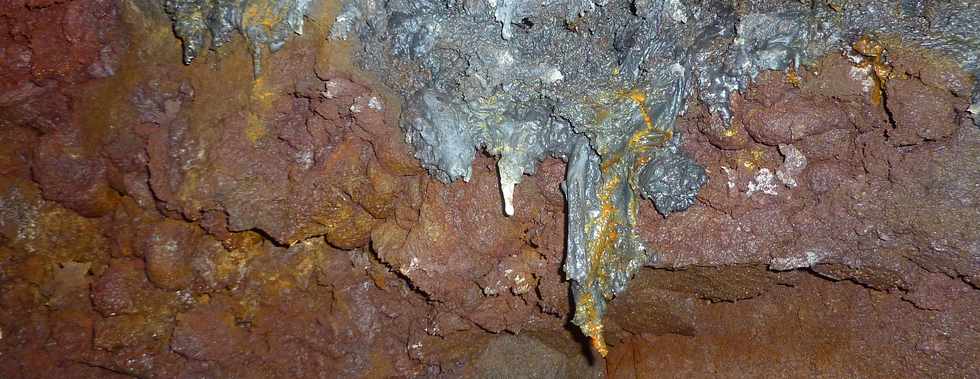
point(73, 40)
point(460, 225)
point(932, 69)
point(167, 248)
point(49, 48)
point(792, 118)
point(864, 211)
point(209, 332)
point(69, 286)
point(72, 330)
point(297, 177)
point(15, 151)
point(121, 289)
point(835, 144)
point(68, 176)
point(224, 255)
point(838, 78)
point(744, 338)
point(920, 112)
point(128, 331)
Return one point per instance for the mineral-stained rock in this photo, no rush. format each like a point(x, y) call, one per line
point(920, 112)
point(515, 79)
point(15, 151)
point(792, 118)
point(130, 331)
point(452, 226)
point(279, 226)
point(791, 230)
point(63, 40)
point(741, 334)
point(124, 289)
point(167, 248)
point(297, 177)
point(68, 176)
point(69, 285)
point(47, 45)
point(209, 332)
point(496, 360)
point(72, 330)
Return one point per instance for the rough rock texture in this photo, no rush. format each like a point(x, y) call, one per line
point(163, 220)
point(868, 197)
point(831, 325)
point(263, 23)
point(600, 84)
point(870, 234)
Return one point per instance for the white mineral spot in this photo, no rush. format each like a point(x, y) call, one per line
point(808, 259)
point(344, 23)
point(552, 75)
point(508, 192)
point(793, 164)
point(506, 58)
point(375, 103)
point(728, 173)
point(677, 11)
point(412, 265)
point(331, 91)
point(862, 75)
point(304, 159)
point(510, 175)
point(763, 182)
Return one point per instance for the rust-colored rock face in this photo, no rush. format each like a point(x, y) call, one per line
point(162, 220)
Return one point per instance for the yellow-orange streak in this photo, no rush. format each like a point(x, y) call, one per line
point(605, 226)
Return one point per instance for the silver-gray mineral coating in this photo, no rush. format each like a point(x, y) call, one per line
point(263, 23)
point(600, 84)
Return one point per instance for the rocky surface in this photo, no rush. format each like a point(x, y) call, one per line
point(162, 220)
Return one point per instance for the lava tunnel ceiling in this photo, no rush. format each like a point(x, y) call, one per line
point(598, 84)
point(367, 188)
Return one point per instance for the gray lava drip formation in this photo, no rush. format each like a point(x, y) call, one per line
point(263, 23)
point(597, 83)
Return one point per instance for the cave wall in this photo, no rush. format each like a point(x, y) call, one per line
point(167, 220)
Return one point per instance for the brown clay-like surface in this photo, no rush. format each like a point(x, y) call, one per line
point(162, 220)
